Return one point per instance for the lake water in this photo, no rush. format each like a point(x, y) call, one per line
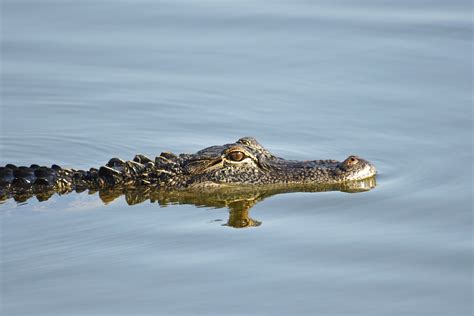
point(391, 81)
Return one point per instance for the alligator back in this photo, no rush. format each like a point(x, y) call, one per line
point(37, 178)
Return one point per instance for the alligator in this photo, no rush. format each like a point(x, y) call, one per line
point(244, 163)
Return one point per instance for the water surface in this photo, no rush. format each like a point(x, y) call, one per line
point(85, 81)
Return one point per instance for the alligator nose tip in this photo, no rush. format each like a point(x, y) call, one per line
point(373, 169)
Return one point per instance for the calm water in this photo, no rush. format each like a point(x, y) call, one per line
point(391, 81)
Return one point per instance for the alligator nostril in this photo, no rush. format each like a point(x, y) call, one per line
point(351, 160)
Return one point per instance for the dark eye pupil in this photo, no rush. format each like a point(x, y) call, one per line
point(236, 156)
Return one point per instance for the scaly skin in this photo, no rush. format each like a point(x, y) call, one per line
point(243, 163)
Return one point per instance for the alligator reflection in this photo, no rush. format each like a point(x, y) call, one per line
point(238, 199)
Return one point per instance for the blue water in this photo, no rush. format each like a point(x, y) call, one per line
point(391, 81)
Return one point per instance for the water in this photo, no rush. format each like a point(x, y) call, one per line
point(390, 81)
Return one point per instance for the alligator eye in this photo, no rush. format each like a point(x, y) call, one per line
point(236, 156)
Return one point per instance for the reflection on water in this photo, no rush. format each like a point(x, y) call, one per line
point(238, 199)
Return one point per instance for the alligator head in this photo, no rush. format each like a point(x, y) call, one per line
point(246, 162)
